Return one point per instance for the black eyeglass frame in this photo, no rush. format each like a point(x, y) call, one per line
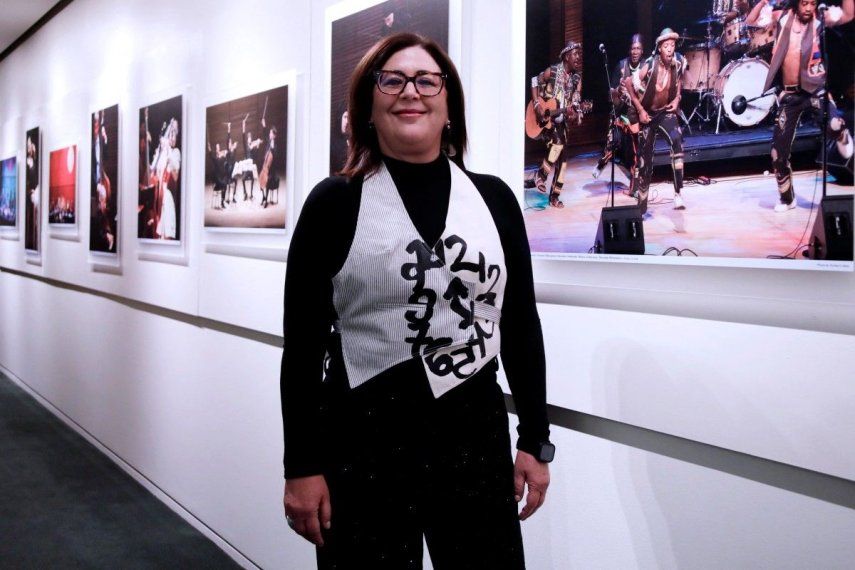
point(442, 76)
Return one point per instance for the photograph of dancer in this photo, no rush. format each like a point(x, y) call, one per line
point(32, 190)
point(104, 181)
point(245, 170)
point(352, 35)
point(159, 207)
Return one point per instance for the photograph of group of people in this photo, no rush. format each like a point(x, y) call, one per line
point(62, 187)
point(709, 121)
point(246, 161)
point(9, 192)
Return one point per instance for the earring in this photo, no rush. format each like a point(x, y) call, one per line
point(448, 125)
point(371, 124)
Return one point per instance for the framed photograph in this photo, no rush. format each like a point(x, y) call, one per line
point(160, 204)
point(692, 179)
point(246, 150)
point(9, 192)
point(62, 187)
point(104, 182)
point(32, 191)
point(354, 27)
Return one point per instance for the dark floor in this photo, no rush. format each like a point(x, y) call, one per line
point(63, 504)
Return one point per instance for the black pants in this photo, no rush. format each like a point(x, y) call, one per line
point(668, 125)
point(406, 465)
point(791, 106)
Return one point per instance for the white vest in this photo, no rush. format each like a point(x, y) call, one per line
point(399, 298)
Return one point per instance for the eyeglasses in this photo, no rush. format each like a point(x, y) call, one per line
point(427, 83)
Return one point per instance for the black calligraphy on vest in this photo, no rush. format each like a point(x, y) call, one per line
point(459, 300)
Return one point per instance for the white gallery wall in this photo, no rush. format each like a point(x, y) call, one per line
point(172, 367)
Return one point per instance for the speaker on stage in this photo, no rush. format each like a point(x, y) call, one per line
point(621, 230)
point(832, 231)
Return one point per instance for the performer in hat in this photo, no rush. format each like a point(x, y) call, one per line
point(797, 65)
point(561, 82)
point(655, 93)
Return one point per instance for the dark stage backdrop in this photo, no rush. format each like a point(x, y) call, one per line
point(353, 35)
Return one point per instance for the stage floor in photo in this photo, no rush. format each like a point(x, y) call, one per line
point(731, 217)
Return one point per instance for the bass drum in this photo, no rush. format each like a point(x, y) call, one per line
point(744, 77)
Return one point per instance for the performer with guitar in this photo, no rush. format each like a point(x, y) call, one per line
point(556, 99)
point(655, 93)
point(625, 143)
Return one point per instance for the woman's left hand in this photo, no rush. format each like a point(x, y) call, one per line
point(529, 471)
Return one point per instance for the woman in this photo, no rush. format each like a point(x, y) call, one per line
point(407, 435)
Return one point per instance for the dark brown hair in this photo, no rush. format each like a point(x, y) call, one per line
point(363, 156)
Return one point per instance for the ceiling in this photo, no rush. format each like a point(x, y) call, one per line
point(17, 16)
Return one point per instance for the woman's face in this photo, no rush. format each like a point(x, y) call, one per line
point(409, 125)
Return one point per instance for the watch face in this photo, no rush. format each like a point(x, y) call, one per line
point(547, 452)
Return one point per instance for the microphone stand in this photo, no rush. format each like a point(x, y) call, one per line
point(824, 151)
point(612, 126)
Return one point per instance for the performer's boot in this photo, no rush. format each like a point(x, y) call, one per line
point(788, 196)
point(554, 196)
point(541, 175)
point(677, 166)
point(642, 199)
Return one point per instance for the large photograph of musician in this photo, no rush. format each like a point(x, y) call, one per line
point(104, 181)
point(246, 155)
point(62, 187)
point(32, 190)
point(160, 188)
point(9, 192)
point(706, 116)
point(352, 35)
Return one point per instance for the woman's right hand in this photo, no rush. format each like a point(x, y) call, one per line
point(307, 506)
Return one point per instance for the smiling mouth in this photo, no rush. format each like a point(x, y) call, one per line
point(408, 113)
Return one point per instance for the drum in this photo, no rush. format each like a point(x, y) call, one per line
point(703, 61)
point(735, 38)
point(761, 41)
point(744, 77)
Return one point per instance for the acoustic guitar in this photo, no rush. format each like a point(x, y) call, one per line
point(550, 109)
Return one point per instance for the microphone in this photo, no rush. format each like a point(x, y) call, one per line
point(821, 8)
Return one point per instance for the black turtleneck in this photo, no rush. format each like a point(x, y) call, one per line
point(319, 247)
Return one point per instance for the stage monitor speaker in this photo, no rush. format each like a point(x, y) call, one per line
point(621, 230)
point(832, 232)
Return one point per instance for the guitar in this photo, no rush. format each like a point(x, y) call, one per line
point(550, 110)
